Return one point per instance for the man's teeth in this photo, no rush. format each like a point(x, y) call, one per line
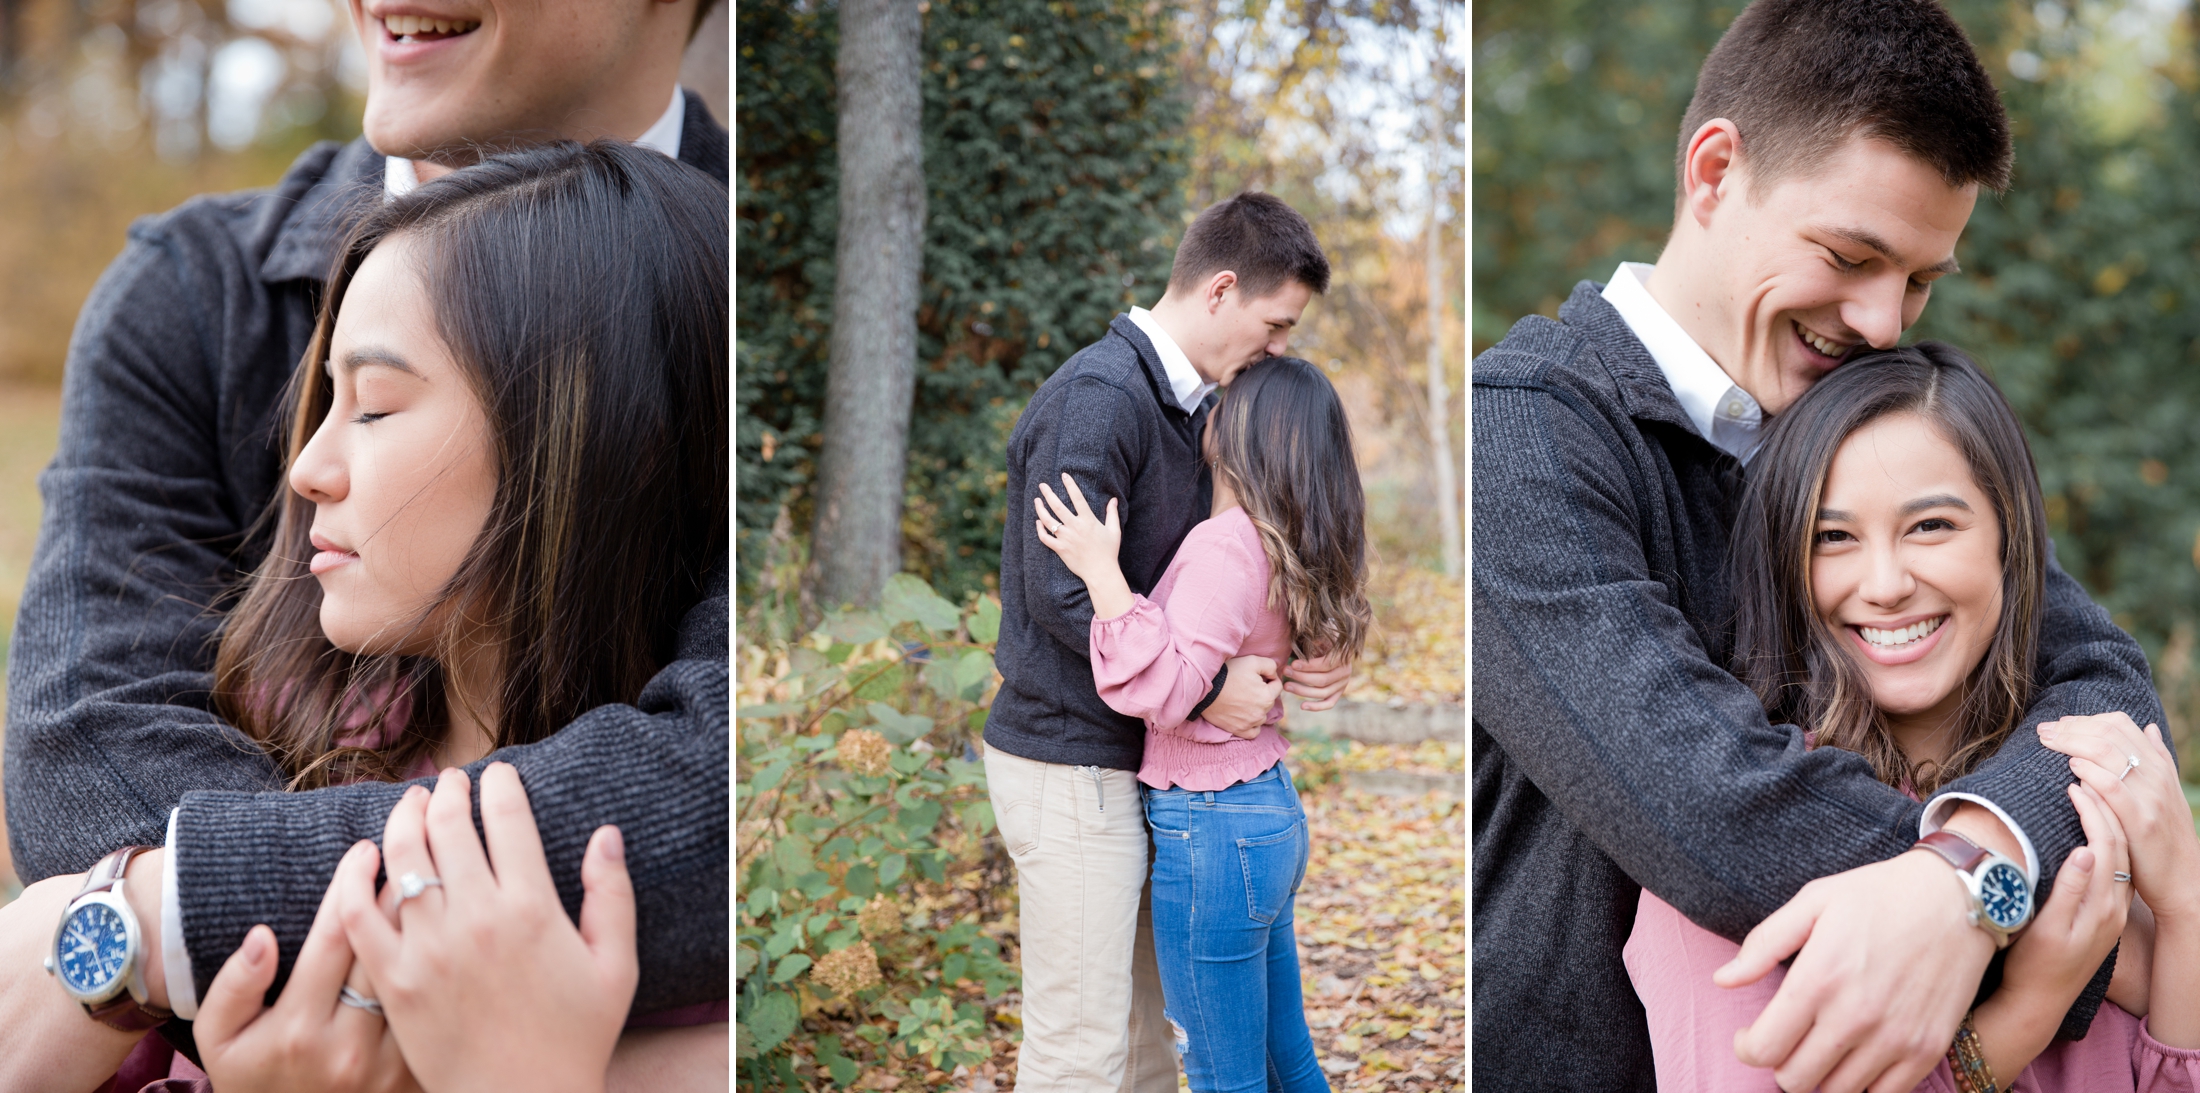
point(1904, 636)
point(406, 26)
point(1830, 349)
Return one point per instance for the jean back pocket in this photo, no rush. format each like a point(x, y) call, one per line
point(1274, 866)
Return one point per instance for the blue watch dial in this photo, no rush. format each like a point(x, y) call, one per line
point(90, 952)
point(2008, 899)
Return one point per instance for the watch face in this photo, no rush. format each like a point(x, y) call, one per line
point(90, 952)
point(2008, 899)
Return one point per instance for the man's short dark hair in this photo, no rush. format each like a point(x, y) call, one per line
point(1798, 78)
point(1256, 236)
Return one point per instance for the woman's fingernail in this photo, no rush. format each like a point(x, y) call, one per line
point(614, 846)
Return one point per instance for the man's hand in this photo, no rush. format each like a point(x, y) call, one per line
point(1248, 693)
point(47, 1041)
point(1888, 966)
point(1318, 682)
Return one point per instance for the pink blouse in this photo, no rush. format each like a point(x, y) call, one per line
point(1692, 1025)
point(1157, 660)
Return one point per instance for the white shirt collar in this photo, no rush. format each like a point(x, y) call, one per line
point(399, 178)
point(1184, 381)
point(1722, 412)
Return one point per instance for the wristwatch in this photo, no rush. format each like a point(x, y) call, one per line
point(98, 951)
point(2001, 899)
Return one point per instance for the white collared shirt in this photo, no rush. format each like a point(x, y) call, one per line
point(1722, 412)
point(399, 178)
point(1184, 381)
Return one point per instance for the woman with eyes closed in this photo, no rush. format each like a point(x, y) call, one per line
point(508, 473)
point(1889, 561)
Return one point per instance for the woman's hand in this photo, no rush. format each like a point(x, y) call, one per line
point(2148, 801)
point(487, 983)
point(308, 1039)
point(2050, 964)
point(1087, 545)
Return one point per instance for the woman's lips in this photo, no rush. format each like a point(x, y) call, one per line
point(1901, 654)
point(328, 560)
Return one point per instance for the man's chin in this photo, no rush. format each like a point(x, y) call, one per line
point(400, 129)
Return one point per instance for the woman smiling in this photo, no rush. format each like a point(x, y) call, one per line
point(1889, 559)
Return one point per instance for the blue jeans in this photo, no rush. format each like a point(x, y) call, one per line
point(1226, 865)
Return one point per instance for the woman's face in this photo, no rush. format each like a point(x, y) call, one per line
point(1906, 565)
point(400, 473)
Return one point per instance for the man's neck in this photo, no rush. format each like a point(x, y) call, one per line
point(1180, 321)
point(632, 129)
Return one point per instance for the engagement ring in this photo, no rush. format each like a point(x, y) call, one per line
point(2131, 763)
point(413, 884)
point(356, 1000)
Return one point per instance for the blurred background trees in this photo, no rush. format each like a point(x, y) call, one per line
point(2077, 290)
point(1067, 143)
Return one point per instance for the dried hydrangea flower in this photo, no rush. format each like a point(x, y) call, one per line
point(864, 752)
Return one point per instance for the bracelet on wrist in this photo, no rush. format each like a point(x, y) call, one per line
point(1967, 1061)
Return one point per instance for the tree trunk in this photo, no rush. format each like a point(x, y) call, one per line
point(1439, 395)
point(877, 262)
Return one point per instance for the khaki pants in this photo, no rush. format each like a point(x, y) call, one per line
point(1092, 995)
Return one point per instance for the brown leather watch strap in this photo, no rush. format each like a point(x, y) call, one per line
point(122, 1012)
point(110, 869)
point(1960, 852)
point(127, 1014)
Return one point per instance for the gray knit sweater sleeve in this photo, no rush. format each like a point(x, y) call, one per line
point(656, 769)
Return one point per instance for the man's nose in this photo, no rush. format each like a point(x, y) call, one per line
point(1876, 312)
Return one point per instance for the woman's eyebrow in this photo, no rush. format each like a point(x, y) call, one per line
point(1940, 500)
point(373, 354)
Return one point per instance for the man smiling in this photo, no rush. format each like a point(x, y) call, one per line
point(1827, 165)
point(170, 449)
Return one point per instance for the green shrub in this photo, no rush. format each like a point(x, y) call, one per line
point(864, 856)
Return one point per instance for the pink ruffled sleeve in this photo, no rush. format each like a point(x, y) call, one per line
point(2161, 1068)
point(1156, 663)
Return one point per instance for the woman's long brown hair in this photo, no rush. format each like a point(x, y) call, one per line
point(1800, 668)
point(582, 291)
point(1284, 445)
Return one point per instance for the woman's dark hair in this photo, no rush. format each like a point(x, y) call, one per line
point(583, 292)
point(1283, 444)
point(1786, 652)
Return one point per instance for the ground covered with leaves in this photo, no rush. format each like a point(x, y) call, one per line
point(1417, 651)
point(1381, 927)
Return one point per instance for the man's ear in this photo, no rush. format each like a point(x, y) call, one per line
point(1218, 286)
point(1711, 172)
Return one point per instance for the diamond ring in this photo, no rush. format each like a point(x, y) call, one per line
point(356, 1000)
point(413, 884)
point(2131, 763)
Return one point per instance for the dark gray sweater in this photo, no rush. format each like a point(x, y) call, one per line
point(1108, 417)
point(168, 452)
point(1612, 750)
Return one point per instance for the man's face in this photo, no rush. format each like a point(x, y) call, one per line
point(1827, 262)
point(1243, 330)
point(444, 73)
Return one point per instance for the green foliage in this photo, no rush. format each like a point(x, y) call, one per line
point(1577, 108)
point(1052, 166)
point(2076, 291)
point(861, 807)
